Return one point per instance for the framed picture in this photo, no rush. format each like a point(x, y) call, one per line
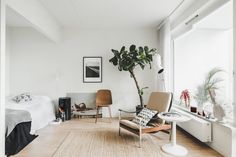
point(92, 69)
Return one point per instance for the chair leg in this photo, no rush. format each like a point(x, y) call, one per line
point(119, 130)
point(119, 122)
point(109, 112)
point(97, 115)
point(140, 136)
point(140, 140)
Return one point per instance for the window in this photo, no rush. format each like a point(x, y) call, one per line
point(208, 45)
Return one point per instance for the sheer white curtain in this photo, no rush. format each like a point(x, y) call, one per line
point(164, 49)
point(234, 28)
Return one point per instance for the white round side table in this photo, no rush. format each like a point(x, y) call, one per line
point(172, 148)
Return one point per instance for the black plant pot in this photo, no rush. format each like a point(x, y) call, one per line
point(139, 108)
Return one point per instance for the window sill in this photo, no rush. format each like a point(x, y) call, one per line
point(227, 123)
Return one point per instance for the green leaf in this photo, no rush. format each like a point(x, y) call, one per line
point(210, 83)
point(122, 49)
point(146, 49)
point(140, 49)
point(132, 48)
point(114, 60)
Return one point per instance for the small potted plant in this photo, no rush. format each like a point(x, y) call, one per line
point(185, 95)
point(205, 91)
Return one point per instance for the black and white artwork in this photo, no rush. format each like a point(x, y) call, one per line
point(92, 69)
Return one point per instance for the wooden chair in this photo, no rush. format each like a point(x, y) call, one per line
point(159, 101)
point(103, 99)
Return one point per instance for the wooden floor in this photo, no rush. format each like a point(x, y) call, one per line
point(84, 138)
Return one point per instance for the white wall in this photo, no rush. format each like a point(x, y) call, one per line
point(225, 145)
point(234, 28)
point(8, 42)
point(2, 75)
point(196, 53)
point(36, 63)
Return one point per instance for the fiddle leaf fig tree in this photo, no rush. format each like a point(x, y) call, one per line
point(128, 60)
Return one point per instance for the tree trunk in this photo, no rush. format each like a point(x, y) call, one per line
point(136, 83)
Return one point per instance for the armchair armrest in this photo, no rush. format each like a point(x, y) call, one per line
point(128, 111)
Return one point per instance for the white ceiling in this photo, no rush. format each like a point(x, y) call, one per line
point(110, 13)
point(13, 19)
point(219, 19)
point(120, 13)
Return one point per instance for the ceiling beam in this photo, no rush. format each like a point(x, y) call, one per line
point(38, 16)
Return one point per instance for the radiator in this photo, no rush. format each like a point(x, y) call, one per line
point(197, 127)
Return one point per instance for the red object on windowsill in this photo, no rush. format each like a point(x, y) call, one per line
point(186, 96)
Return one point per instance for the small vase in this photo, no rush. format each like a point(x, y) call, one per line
point(218, 112)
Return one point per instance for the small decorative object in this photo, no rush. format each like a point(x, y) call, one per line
point(199, 113)
point(127, 60)
point(218, 111)
point(203, 114)
point(193, 109)
point(92, 69)
point(62, 114)
point(186, 96)
point(24, 97)
point(80, 107)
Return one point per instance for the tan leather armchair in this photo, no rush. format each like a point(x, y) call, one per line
point(159, 101)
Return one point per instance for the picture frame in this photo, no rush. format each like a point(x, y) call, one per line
point(92, 69)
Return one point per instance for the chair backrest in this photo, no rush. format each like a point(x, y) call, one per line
point(103, 97)
point(160, 101)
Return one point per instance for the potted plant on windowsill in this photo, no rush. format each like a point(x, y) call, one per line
point(185, 95)
point(128, 60)
point(206, 92)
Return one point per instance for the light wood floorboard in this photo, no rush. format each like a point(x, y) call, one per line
point(84, 138)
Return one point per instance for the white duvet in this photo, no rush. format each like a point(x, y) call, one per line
point(41, 109)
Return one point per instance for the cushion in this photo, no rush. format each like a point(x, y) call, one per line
point(145, 115)
point(24, 97)
point(129, 124)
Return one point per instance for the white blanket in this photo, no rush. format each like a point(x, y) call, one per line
point(41, 109)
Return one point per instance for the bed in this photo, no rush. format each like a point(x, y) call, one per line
point(40, 108)
point(17, 133)
point(24, 119)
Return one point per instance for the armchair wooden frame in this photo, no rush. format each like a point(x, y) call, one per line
point(160, 101)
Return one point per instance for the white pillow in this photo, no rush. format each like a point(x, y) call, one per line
point(24, 97)
point(145, 115)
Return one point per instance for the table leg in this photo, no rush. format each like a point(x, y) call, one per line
point(172, 148)
point(173, 133)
